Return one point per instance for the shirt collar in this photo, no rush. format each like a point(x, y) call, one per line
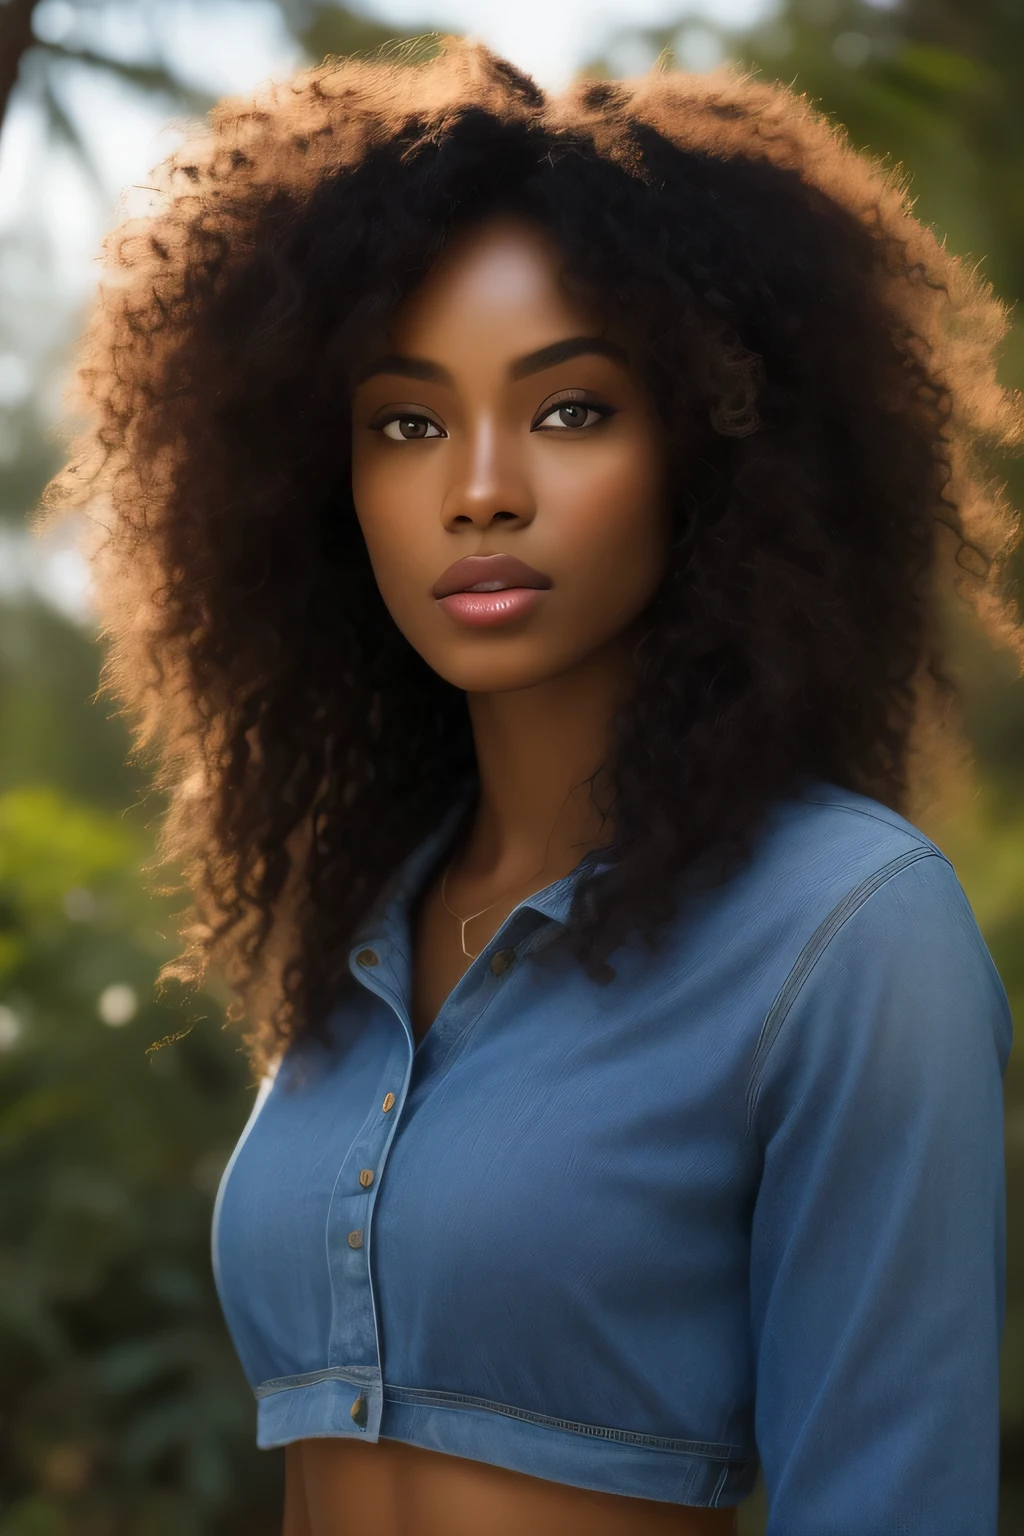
point(389, 916)
point(388, 919)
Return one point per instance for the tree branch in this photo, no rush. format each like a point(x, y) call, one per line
point(16, 39)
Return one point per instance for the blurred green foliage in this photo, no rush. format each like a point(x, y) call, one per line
point(122, 1408)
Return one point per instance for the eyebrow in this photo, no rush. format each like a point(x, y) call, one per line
point(520, 368)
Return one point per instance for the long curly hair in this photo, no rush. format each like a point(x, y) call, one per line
point(824, 368)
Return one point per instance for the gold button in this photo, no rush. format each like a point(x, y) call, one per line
point(358, 1410)
point(389, 1100)
point(501, 960)
point(366, 1177)
point(355, 1239)
point(366, 957)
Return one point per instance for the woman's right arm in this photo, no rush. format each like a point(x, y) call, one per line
point(296, 1511)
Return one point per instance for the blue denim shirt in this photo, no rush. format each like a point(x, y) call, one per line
point(743, 1204)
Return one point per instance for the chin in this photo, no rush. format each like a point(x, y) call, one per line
point(497, 667)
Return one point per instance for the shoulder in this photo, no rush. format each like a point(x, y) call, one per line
point(834, 833)
point(867, 873)
point(818, 852)
point(888, 967)
point(821, 853)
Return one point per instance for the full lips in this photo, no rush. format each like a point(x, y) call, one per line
point(486, 610)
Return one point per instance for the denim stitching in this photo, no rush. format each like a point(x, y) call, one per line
point(808, 958)
point(438, 1399)
point(358, 1377)
point(909, 830)
point(355, 1375)
point(716, 1492)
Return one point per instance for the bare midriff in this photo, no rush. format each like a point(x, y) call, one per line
point(389, 1488)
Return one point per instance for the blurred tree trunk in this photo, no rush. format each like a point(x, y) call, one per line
point(15, 41)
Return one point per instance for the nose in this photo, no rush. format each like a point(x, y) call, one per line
point(490, 483)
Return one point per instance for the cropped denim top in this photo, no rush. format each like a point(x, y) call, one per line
point(742, 1205)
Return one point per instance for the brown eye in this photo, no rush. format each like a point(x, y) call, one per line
point(571, 414)
point(410, 429)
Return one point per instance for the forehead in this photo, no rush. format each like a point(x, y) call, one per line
point(500, 275)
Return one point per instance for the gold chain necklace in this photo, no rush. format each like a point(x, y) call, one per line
point(465, 920)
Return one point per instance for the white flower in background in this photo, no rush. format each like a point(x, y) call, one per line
point(11, 1028)
point(117, 1005)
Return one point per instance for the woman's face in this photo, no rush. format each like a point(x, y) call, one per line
point(503, 418)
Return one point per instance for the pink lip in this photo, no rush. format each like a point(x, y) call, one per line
point(473, 569)
point(484, 610)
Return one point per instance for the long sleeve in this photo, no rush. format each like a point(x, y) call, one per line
point(878, 1237)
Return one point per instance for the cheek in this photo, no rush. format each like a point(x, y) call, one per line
point(616, 524)
point(386, 497)
point(383, 476)
point(376, 492)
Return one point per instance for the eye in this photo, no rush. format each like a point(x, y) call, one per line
point(571, 415)
point(410, 429)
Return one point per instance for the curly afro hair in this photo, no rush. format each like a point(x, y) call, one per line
point(826, 365)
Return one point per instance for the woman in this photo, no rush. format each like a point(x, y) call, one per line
point(528, 529)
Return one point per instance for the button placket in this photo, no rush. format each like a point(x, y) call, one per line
point(464, 1010)
point(354, 1336)
point(379, 1139)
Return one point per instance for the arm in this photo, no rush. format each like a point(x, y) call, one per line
point(878, 1237)
point(296, 1512)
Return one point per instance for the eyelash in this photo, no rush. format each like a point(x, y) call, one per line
point(602, 412)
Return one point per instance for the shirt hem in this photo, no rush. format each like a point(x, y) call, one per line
point(586, 1456)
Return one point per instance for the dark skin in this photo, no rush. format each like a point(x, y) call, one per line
point(485, 445)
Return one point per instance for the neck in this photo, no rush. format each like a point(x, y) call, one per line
point(536, 751)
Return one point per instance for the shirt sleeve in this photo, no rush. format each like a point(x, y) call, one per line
point(878, 1236)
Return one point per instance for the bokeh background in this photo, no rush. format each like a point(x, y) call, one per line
point(122, 1409)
